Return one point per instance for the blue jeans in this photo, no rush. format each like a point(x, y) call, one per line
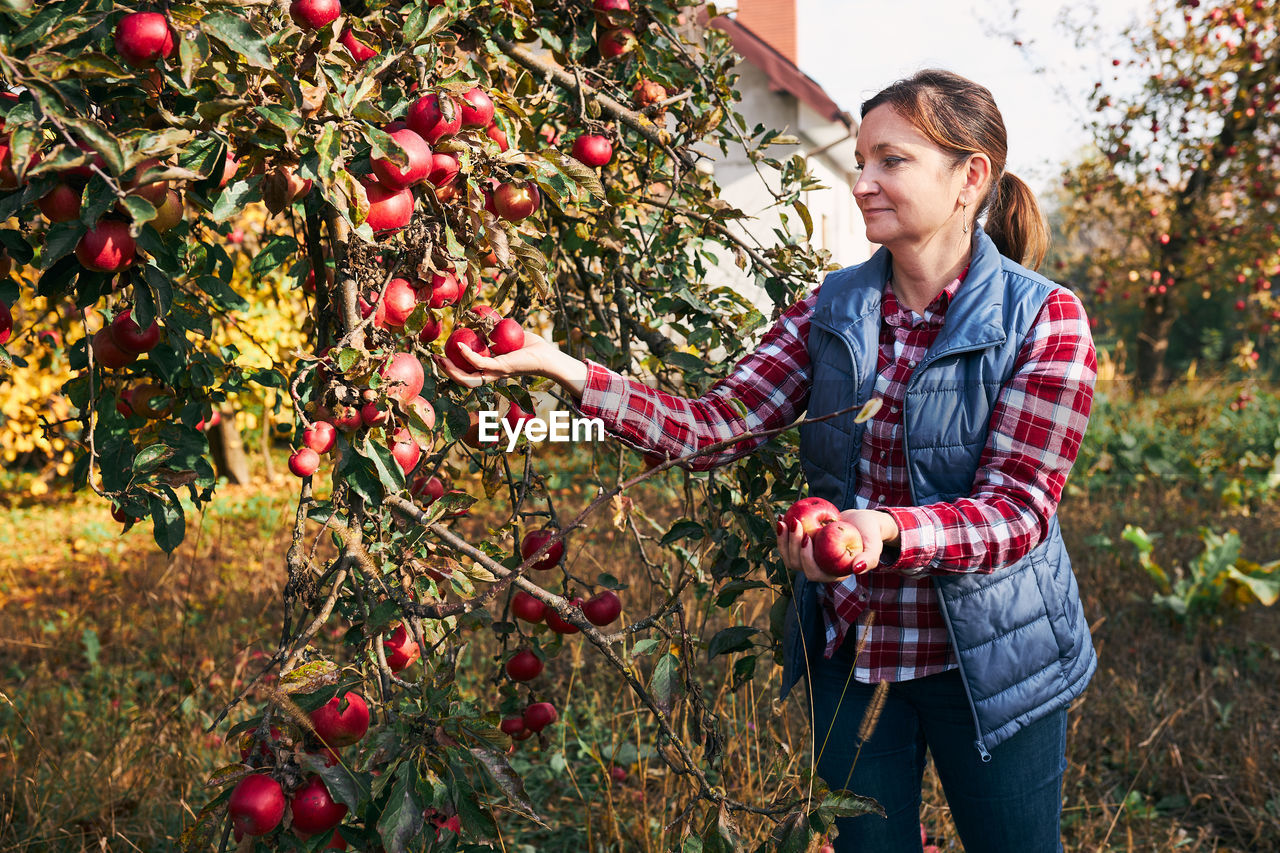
point(1011, 804)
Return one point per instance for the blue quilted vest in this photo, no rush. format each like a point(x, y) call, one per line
point(1019, 633)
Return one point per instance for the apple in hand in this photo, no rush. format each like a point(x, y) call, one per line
point(507, 336)
point(472, 339)
point(812, 514)
point(835, 546)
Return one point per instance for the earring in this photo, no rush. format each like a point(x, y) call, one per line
point(964, 217)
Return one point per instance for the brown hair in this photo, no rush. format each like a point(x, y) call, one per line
point(960, 117)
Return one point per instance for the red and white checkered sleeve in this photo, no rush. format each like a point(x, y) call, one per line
point(1036, 429)
point(771, 384)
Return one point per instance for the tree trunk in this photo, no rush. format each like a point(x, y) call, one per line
point(228, 451)
point(1153, 342)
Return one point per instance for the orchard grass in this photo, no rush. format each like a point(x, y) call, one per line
point(114, 657)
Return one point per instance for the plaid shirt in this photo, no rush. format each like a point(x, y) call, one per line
point(1036, 428)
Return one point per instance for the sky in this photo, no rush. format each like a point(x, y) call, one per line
point(854, 48)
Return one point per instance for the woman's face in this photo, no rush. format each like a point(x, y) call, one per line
point(908, 190)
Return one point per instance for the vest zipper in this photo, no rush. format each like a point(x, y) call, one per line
point(942, 602)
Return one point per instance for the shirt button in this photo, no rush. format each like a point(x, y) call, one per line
point(882, 454)
point(880, 499)
point(894, 410)
point(911, 364)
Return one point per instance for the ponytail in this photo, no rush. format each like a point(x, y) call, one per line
point(1015, 222)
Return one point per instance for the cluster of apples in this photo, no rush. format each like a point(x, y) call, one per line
point(836, 542)
point(613, 37)
point(258, 801)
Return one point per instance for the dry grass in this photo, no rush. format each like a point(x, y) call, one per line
point(113, 657)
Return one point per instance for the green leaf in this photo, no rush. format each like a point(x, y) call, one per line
point(844, 804)
point(685, 528)
point(161, 289)
point(232, 200)
point(140, 210)
point(275, 254)
point(150, 457)
point(169, 525)
point(644, 647)
point(343, 785)
point(288, 122)
point(384, 463)
point(193, 53)
point(238, 35)
point(402, 818)
point(728, 640)
point(60, 241)
point(100, 141)
point(221, 293)
point(511, 783)
point(665, 680)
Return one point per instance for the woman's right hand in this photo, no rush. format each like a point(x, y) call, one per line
point(796, 549)
point(538, 357)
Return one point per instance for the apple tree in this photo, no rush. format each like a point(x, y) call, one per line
point(1172, 222)
point(433, 171)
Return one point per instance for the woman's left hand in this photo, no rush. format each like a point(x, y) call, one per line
point(876, 528)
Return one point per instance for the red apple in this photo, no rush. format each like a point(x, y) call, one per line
point(444, 168)
point(403, 376)
point(389, 209)
point(513, 725)
point(169, 213)
point(304, 461)
point(153, 191)
point(405, 449)
point(607, 11)
point(107, 247)
point(347, 418)
point(506, 337)
point(229, 167)
point(812, 514)
point(516, 416)
point(359, 51)
point(615, 43)
point(341, 728)
point(835, 546)
point(647, 92)
point(143, 37)
point(401, 650)
point(417, 168)
point(152, 400)
point(428, 489)
point(497, 135)
point(487, 313)
point(472, 339)
point(264, 747)
point(533, 540)
point(477, 108)
point(129, 337)
point(256, 805)
point(423, 409)
point(528, 608)
point(60, 204)
point(592, 149)
point(398, 303)
point(602, 608)
point(524, 665)
point(8, 177)
point(375, 415)
point(559, 625)
point(430, 331)
point(539, 715)
point(6, 323)
point(320, 437)
point(445, 290)
point(108, 354)
point(314, 809)
point(314, 14)
point(432, 120)
point(516, 201)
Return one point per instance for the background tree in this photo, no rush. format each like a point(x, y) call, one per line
point(1172, 222)
point(416, 161)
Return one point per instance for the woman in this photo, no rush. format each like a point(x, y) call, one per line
point(985, 371)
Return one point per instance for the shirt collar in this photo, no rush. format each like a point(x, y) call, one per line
point(897, 314)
